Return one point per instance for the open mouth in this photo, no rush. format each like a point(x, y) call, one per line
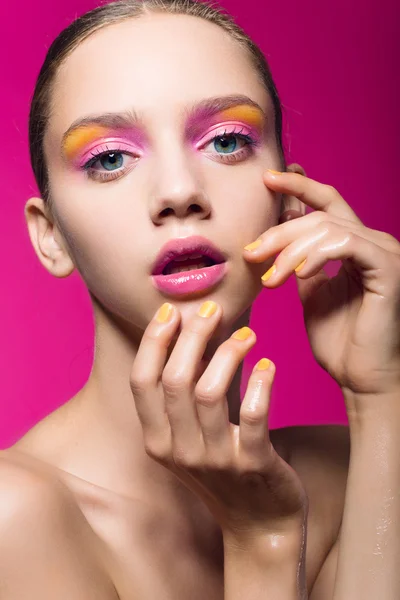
point(190, 274)
point(188, 263)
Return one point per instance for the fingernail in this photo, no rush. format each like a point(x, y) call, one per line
point(274, 172)
point(301, 265)
point(262, 364)
point(242, 334)
point(253, 245)
point(164, 313)
point(269, 273)
point(207, 309)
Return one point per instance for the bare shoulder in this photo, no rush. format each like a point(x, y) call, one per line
point(320, 455)
point(22, 489)
point(45, 548)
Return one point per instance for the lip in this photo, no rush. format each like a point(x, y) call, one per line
point(195, 244)
point(189, 282)
point(196, 280)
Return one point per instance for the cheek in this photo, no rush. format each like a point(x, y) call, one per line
point(252, 206)
point(107, 259)
point(100, 242)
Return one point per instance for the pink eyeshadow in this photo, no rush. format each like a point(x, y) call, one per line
point(247, 115)
point(86, 138)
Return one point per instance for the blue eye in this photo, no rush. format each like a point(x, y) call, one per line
point(228, 149)
point(226, 142)
point(112, 163)
point(114, 160)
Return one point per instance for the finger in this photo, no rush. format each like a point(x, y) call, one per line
point(277, 238)
point(254, 439)
point(378, 268)
point(293, 256)
point(313, 193)
point(211, 394)
point(178, 380)
point(146, 373)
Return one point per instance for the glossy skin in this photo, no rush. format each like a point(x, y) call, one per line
point(112, 231)
point(137, 547)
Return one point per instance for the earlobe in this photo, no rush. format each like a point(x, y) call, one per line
point(43, 234)
point(296, 168)
point(292, 207)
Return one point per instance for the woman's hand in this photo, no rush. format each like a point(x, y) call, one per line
point(353, 319)
point(247, 486)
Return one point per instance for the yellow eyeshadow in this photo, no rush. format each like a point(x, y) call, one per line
point(251, 114)
point(80, 137)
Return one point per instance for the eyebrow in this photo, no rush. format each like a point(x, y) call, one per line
point(204, 109)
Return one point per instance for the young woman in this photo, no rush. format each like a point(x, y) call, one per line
point(153, 127)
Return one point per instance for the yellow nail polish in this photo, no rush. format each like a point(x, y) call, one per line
point(262, 364)
point(207, 309)
point(269, 273)
point(301, 265)
point(274, 172)
point(242, 334)
point(253, 245)
point(164, 313)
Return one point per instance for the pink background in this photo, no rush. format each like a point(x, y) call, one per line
point(336, 68)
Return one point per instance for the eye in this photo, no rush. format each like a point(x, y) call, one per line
point(114, 162)
point(232, 146)
point(227, 143)
point(111, 160)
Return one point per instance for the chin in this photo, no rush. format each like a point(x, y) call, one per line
point(233, 308)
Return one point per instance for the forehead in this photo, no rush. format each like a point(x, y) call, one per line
point(155, 64)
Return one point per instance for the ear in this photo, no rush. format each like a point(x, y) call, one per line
point(46, 239)
point(292, 207)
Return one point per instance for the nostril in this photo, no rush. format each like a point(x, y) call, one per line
point(165, 212)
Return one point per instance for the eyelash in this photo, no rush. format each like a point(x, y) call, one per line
point(251, 143)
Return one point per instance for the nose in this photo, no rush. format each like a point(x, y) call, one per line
point(177, 191)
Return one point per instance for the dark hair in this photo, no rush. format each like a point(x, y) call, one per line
point(115, 12)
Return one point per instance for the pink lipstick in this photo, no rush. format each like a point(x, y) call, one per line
point(188, 265)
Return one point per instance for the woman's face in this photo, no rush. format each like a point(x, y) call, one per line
point(167, 178)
